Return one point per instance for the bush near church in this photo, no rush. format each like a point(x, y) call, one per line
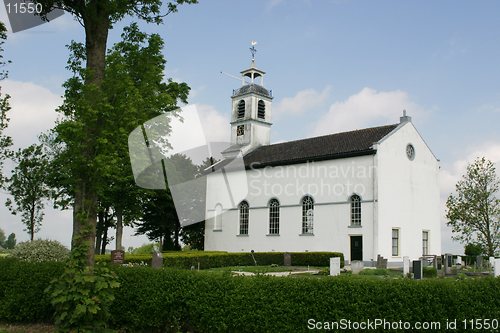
point(40, 250)
point(207, 259)
point(180, 300)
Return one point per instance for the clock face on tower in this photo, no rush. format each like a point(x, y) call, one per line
point(240, 130)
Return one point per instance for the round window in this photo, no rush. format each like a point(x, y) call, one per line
point(410, 152)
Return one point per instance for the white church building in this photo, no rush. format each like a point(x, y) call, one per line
point(364, 192)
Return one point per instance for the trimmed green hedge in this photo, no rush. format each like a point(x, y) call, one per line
point(187, 260)
point(179, 300)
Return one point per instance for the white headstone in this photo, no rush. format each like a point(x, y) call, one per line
point(492, 261)
point(334, 266)
point(406, 266)
point(497, 267)
point(459, 260)
point(356, 267)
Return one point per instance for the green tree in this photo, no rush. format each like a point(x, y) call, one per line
point(473, 249)
point(28, 188)
point(473, 212)
point(10, 243)
point(88, 109)
point(5, 140)
point(2, 238)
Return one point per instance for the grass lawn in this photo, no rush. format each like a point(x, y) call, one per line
point(263, 269)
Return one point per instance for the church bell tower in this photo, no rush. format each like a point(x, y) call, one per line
point(251, 109)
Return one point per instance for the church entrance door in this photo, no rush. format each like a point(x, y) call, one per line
point(356, 248)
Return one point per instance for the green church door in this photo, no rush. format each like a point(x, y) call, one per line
point(356, 248)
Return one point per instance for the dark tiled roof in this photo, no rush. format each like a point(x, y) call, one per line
point(252, 88)
point(338, 145)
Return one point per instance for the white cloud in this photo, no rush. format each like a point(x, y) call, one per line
point(366, 108)
point(33, 111)
point(215, 124)
point(303, 101)
point(272, 4)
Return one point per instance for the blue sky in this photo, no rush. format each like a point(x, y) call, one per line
point(332, 65)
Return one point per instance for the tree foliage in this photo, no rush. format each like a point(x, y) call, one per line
point(473, 212)
point(86, 105)
point(5, 140)
point(28, 187)
point(10, 243)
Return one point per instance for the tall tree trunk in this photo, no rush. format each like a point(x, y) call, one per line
point(96, 22)
point(32, 223)
point(99, 229)
point(119, 229)
point(177, 229)
point(105, 234)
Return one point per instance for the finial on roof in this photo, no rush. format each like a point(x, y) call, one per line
point(253, 50)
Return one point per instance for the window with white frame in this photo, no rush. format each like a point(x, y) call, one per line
point(274, 217)
point(244, 210)
point(395, 242)
point(425, 242)
point(307, 215)
point(218, 217)
point(355, 210)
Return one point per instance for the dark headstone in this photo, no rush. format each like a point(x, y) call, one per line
point(417, 270)
point(287, 259)
point(381, 262)
point(479, 261)
point(117, 257)
point(157, 261)
point(439, 263)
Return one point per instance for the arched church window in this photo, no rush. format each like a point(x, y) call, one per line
point(241, 109)
point(261, 110)
point(218, 217)
point(307, 215)
point(274, 217)
point(355, 210)
point(244, 210)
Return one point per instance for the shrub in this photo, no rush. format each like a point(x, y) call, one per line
point(82, 296)
point(145, 249)
point(205, 260)
point(175, 300)
point(429, 272)
point(40, 250)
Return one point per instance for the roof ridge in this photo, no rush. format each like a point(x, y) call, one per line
point(327, 135)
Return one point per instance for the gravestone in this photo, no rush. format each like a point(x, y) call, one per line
point(334, 266)
point(287, 259)
point(157, 261)
point(448, 260)
point(381, 262)
point(406, 266)
point(417, 270)
point(356, 266)
point(497, 267)
point(439, 263)
point(479, 261)
point(117, 257)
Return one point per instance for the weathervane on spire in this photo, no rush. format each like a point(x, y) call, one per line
point(253, 50)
